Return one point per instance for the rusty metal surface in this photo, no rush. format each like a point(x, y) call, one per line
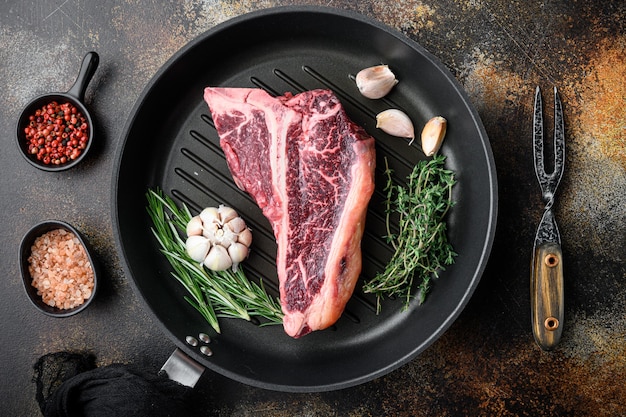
point(487, 363)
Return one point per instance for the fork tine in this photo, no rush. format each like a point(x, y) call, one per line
point(538, 136)
point(559, 140)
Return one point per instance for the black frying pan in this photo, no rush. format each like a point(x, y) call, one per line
point(169, 142)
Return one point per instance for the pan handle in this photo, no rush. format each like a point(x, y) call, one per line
point(87, 71)
point(181, 368)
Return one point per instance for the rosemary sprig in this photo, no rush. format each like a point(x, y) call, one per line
point(214, 294)
point(421, 247)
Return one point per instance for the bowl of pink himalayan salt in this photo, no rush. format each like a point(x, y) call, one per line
point(58, 269)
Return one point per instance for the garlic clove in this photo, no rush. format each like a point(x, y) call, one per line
point(218, 259)
point(226, 213)
point(194, 227)
point(197, 247)
point(433, 134)
point(375, 82)
point(396, 123)
point(228, 238)
point(210, 230)
point(236, 225)
point(238, 253)
point(245, 237)
point(209, 215)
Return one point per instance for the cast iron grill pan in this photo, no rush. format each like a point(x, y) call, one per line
point(170, 142)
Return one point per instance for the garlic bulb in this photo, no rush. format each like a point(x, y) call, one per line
point(219, 238)
point(375, 82)
point(396, 123)
point(433, 134)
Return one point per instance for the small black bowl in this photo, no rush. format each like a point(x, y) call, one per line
point(75, 96)
point(24, 253)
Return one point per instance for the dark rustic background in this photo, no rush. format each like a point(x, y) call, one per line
point(487, 363)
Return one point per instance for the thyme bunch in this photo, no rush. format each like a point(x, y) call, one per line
point(213, 293)
point(421, 247)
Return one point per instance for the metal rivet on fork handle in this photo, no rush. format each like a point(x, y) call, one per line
point(551, 324)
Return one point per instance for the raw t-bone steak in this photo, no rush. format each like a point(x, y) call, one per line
point(311, 170)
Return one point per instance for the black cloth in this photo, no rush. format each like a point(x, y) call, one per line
point(116, 390)
point(53, 369)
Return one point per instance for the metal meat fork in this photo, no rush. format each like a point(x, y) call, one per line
point(546, 276)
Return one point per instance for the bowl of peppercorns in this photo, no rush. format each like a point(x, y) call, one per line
point(55, 131)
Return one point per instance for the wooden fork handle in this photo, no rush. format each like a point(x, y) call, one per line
point(546, 295)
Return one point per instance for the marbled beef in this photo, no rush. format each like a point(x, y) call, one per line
point(311, 170)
